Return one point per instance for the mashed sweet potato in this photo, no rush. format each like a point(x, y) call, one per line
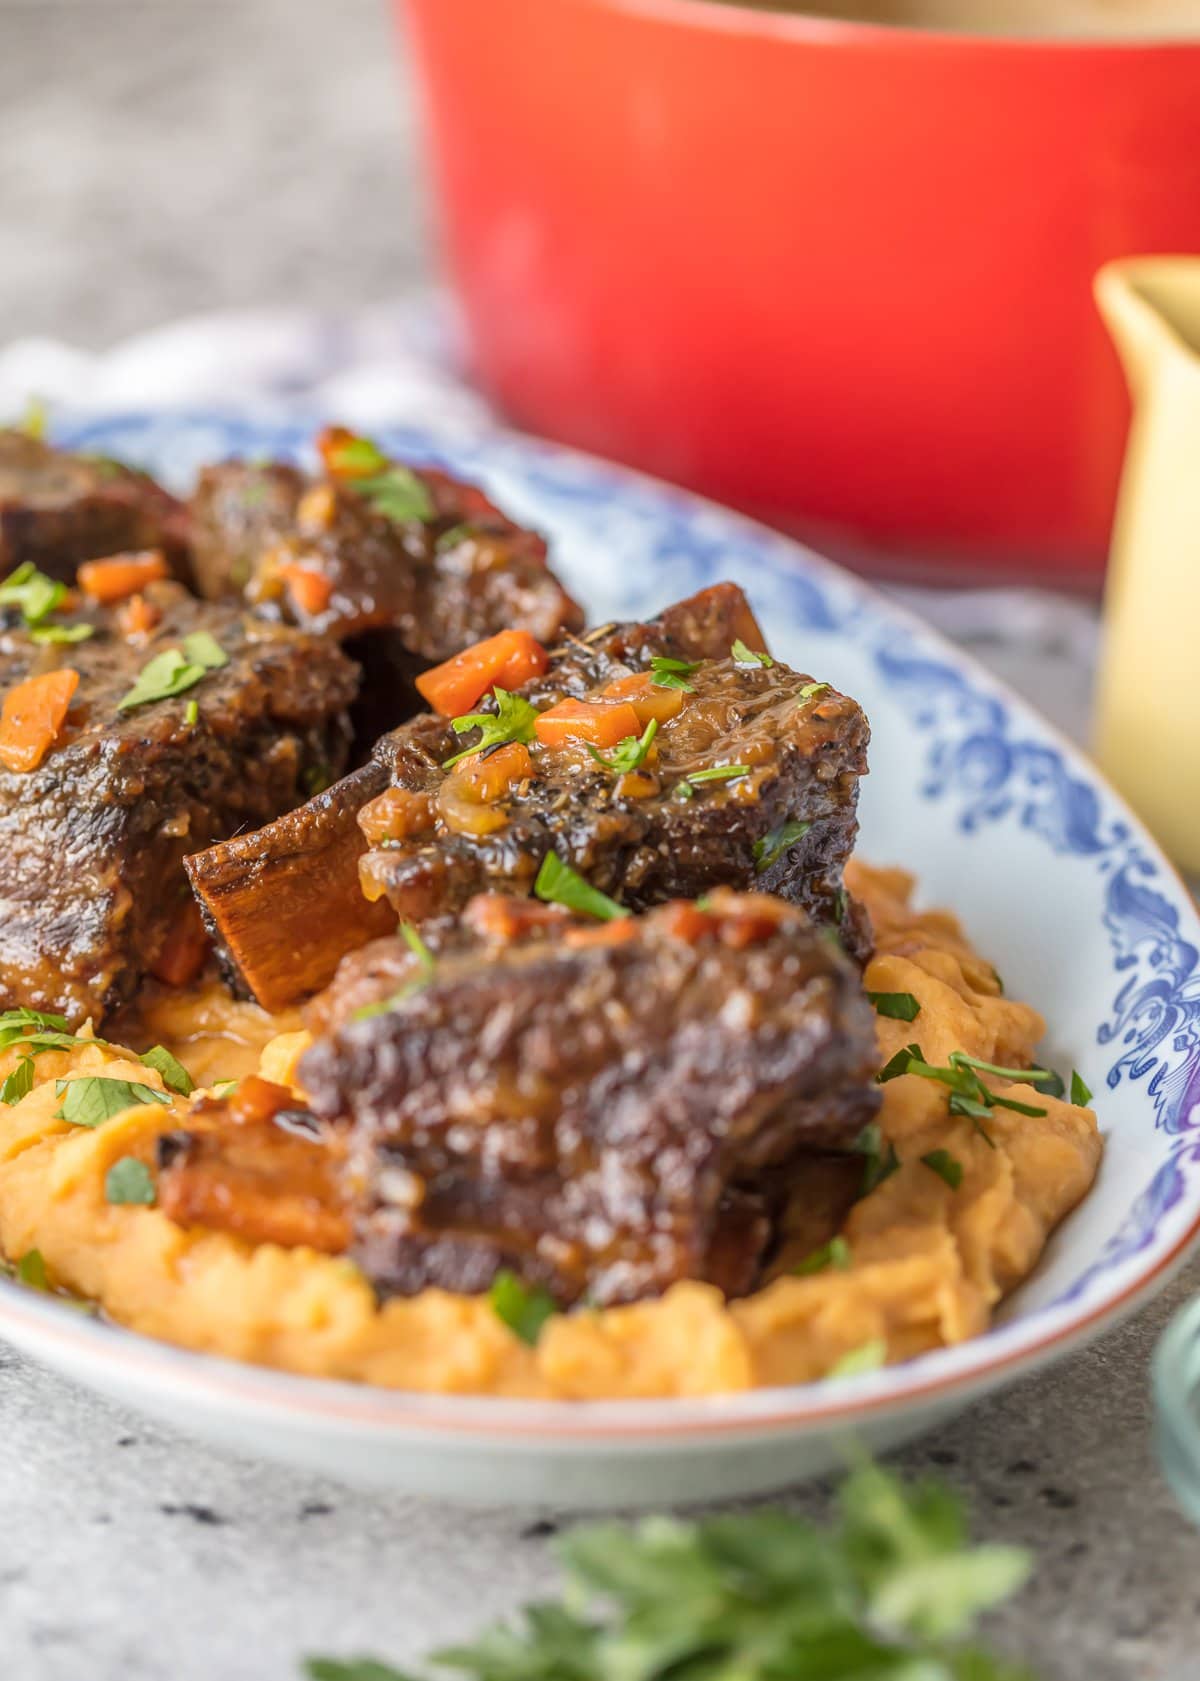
point(924, 1261)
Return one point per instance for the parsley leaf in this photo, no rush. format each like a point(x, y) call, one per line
point(31, 1270)
point(398, 494)
point(668, 673)
point(898, 1064)
point(174, 1075)
point(810, 691)
point(629, 753)
point(130, 1180)
point(92, 1099)
point(451, 539)
point(191, 714)
point(946, 1166)
point(353, 457)
point(165, 675)
point(835, 1253)
point(513, 720)
point(50, 634)
point(899, 1006)
point(19, 1083)
point(715, 773)
point(558, 884)
point(890, 1590)
point(771, 847)
point(1081, 1092)
point(426, 967)
point(742, 655)
point(32, 592)
point(202, 648)
point(867, 1358)
point(523, 1308)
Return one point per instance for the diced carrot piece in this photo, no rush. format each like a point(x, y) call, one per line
point(614, 933)
point(682, 921)
point(138, 616)
point(257, 1099)
point(121, 575)
point(467, 798)
point(32, 716)
point(509, 658)
point(395, 814)
point(503, 917)
point(647, 700)
point(602, 723)
point(184, 950)
point(310, 590)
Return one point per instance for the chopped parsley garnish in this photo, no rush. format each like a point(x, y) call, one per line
point(558, 884)
point(810, 691)
point(31, 1270)
point(51, 634)
point(172, 672)
point(881, 1158)
point(629, 753)
point(355, 457)
point(969, 1096)
point(426, 967)
point(513, 720)
point(869, 1357)
point(996, 976)
point(34, 1032)
point(899, 1006)
point(451, 539)
point(891, 1589)
point(202, 648)
point(668, 673)
point(524, 1308)
point(130, 1180)
point(32, 592)
point(946, 1166)
point(36, 421)
point(770, 847)
point(191, 714)
point(392, 490)
point(91, 1099)
point(1081, 1092)
point(19, 1083)
point(174, 1075)
point(715, 773)
point(222, 1088)
point(835, 1253)
point(742, 655)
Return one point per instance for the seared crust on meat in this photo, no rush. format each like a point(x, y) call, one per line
point(57, 509)
point(286, 903)
point(92, 840)
point(604, 1109)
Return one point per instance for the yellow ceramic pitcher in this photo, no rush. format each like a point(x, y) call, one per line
point(1148, 700)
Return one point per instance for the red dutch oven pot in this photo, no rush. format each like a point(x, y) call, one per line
point(837, 274)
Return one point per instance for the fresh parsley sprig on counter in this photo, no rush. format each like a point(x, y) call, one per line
point(891, 1591)
point(558, 884)
point(513, 720)
point(629, 753)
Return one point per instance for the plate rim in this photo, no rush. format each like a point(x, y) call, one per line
point(950, 1374)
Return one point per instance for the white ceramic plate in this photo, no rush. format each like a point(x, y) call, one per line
point(1000, 818)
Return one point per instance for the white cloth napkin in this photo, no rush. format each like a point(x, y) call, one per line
point(399, 364)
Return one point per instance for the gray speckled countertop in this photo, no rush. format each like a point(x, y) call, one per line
point(160, 158)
